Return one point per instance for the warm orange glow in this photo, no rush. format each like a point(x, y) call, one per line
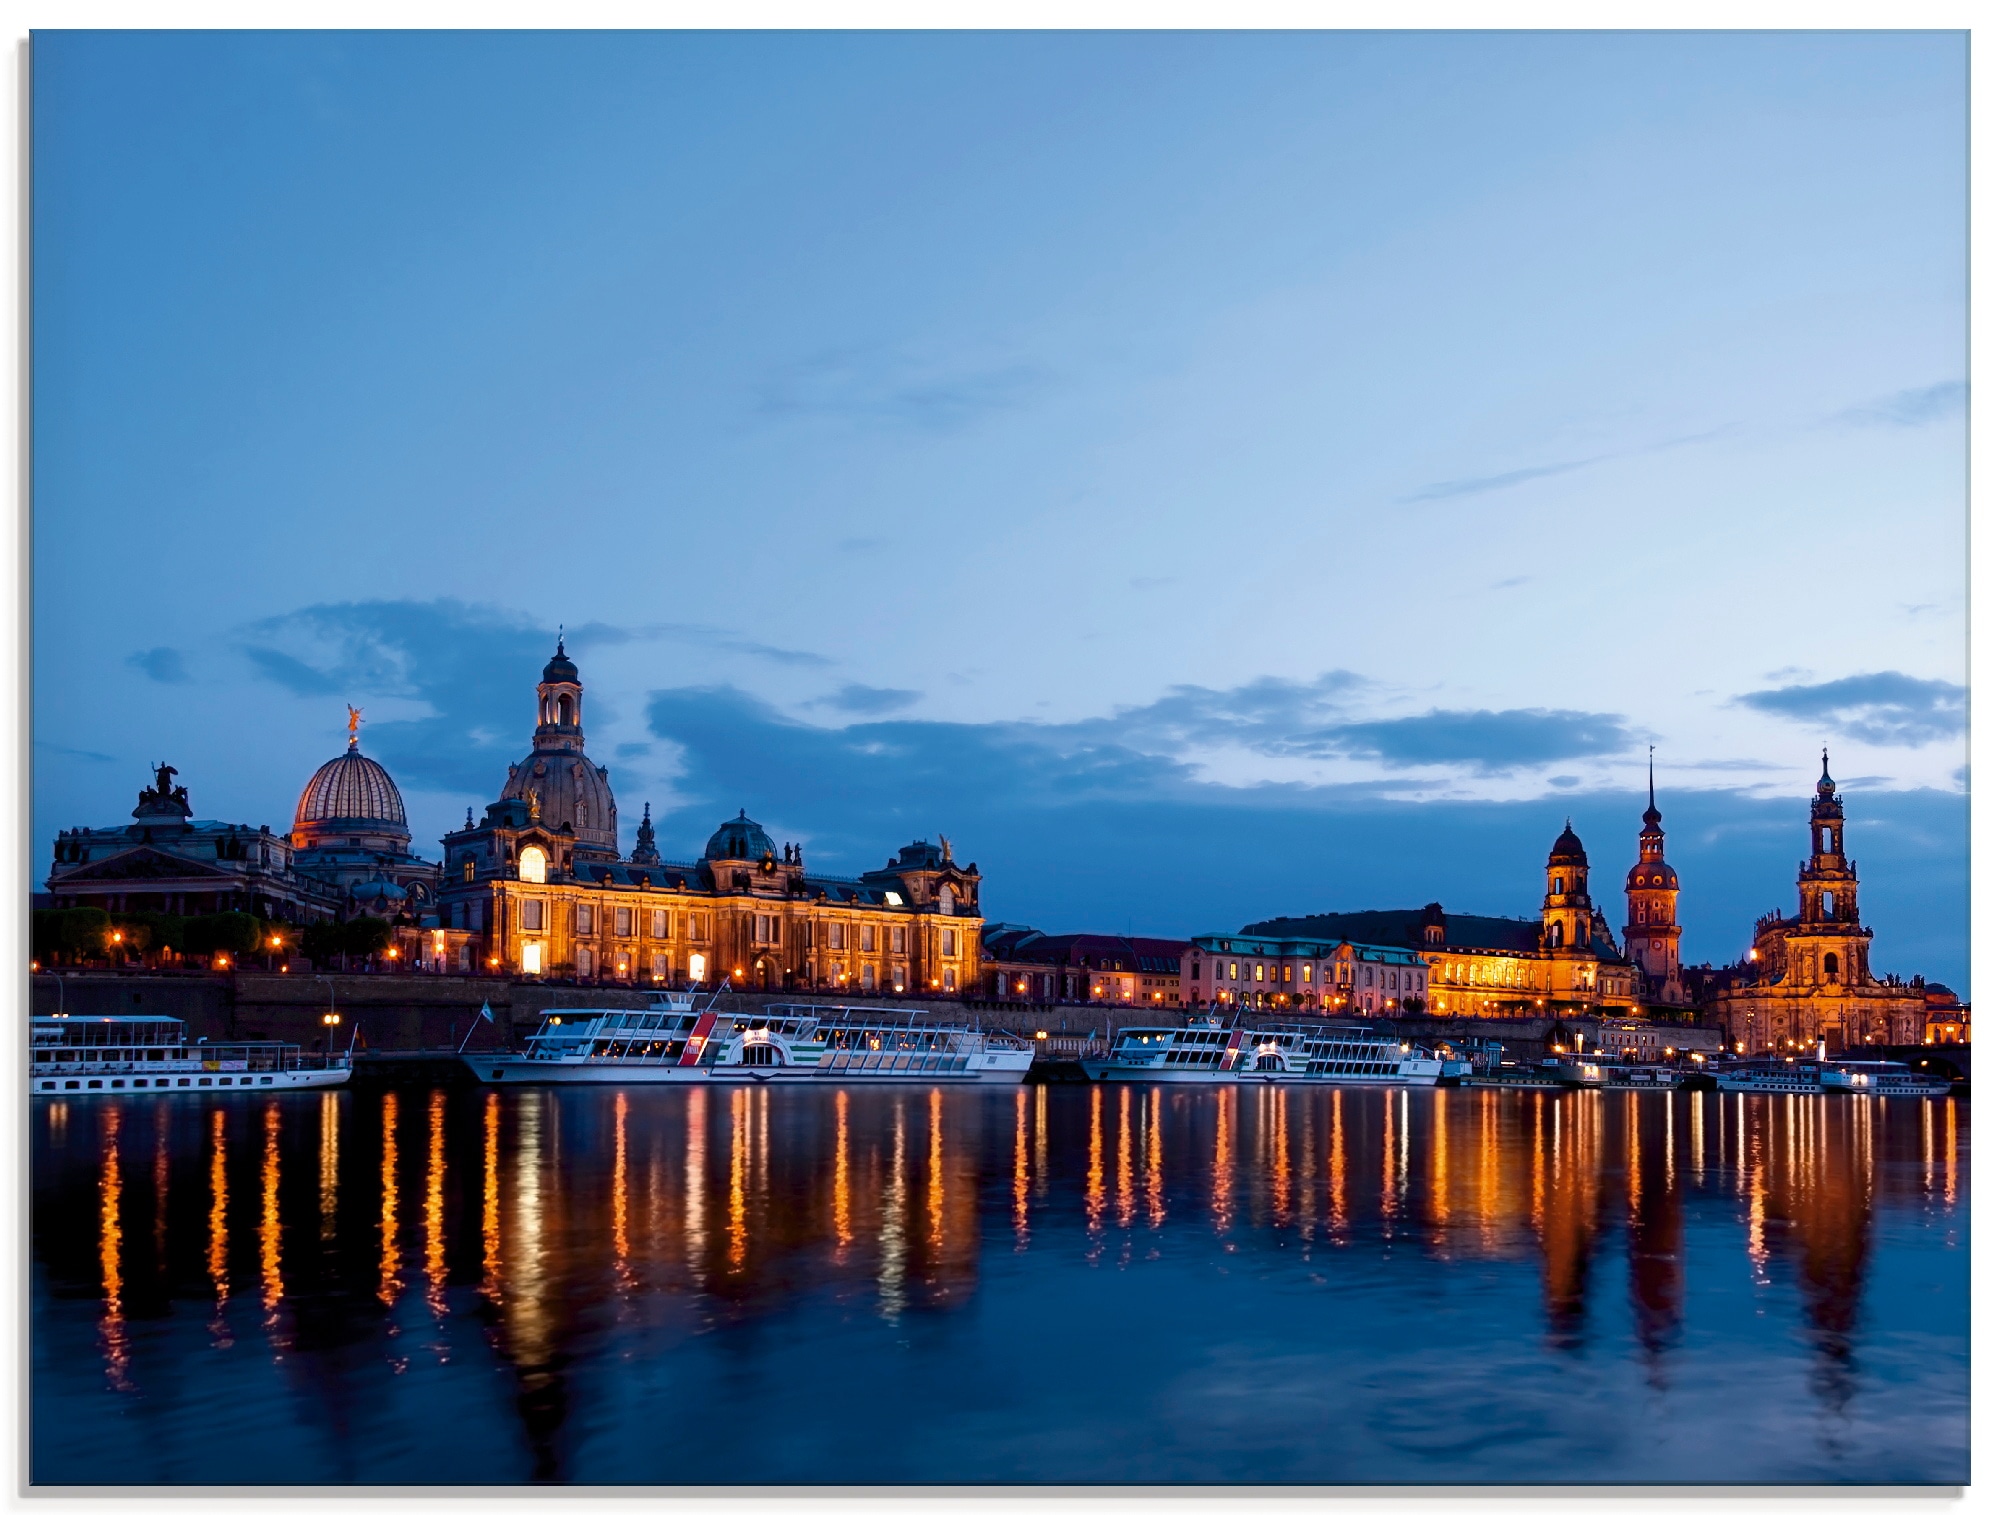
point(110, 1245)
point(390, 1285)
point(222, 959)
point(117, 936)
point(392, 952)
point(284, 967)
point(1041, 1036)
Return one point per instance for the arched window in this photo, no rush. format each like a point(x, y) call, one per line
point(1556, 886)
point(1556, 934)
point(1832, 966)
point(534, 866)
point(1826, 906)
point(563, 709)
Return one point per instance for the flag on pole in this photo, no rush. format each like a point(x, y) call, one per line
point(485, 1011)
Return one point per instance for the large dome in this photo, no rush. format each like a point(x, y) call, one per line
point(351, 797)
point(568, 790)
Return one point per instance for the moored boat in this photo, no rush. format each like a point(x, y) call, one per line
point(150, 1054)
point(1770, 1075)
point(1894, 1080)
point(1204, 1052)
point(676, 1041)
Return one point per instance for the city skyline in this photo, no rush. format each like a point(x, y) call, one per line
point(1301, 502)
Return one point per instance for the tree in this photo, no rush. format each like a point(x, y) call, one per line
point(231, 931)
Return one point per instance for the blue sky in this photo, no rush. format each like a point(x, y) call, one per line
point(1203, 475)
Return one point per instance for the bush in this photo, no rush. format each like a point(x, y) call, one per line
point(324, 941)
point(231, 931)
point(72, 935)
point(148, 929)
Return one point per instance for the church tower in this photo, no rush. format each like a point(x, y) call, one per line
point(1566, 908)
point(560, 696)
point(1652, 909)
point(1831, 944)
point(566, 793)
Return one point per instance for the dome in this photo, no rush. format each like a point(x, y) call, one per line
point(559, 669)
point(1652, 876)
point(350, 797)
point(569, 790)
point(1567, 845)
point(741, 837)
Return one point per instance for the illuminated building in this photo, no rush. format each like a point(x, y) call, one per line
point(1806, 977)
point(1483, 965)
point(1652, 912)
point(1080, 968)
point(537, 887)
point(166, 861)
point(350, 833)
point(1278, 973)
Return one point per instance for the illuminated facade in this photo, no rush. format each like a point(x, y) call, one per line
point(350, 833)
point(1027, 966)
point(166, 861)
point(1652, 913)
point(1499, 966)
point(537, 887)
point(1806, 977)
point(1327, 977)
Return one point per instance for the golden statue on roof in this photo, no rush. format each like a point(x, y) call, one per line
point(353, 725)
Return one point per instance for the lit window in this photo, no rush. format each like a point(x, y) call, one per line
point(697, 967)
point(534, 866)
point(531, 957)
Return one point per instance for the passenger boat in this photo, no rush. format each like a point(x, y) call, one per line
point(1856, 1076)
point(150, 1054)
point(674, 1041)
point(1203, 1052)
point(1770, 1075)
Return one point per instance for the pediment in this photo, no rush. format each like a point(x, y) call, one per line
point(143, 863)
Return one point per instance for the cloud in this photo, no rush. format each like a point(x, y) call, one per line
point(1452, 488)
point(880, 386)
point(75, 754)
point(1490, 741)
point(1075, 828)
point(1909, 407)
point(472, 666)
point(700, 635)
point(1881, 709)
point(863, 699)
point(163, 665)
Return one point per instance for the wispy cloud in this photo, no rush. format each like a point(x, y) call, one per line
point(1909, 407)
point(1452, 488)
point(864, 699)
point(75, 754)
point(163, 665)
point(720, 638)
point(1881, 709)
point(1489, 741)
point(877, 385)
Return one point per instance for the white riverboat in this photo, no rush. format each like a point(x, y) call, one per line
point(1895, 1080)
point(150, 1054)
point(1771, 1075)
point(1204, 1052)
point(675, 1041)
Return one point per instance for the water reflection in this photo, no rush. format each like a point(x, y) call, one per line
point(549, 1219)
point(110, 1244)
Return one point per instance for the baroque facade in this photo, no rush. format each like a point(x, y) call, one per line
point(167, 861)
point(351, 834)
point(1806, 978)
point(1565, 963)
point(537, 887)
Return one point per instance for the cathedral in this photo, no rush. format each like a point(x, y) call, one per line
point(1806, 978)
point(538, 887)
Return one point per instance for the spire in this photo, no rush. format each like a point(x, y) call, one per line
point(1652, 815)
point(644, 850)
point(1826, 784)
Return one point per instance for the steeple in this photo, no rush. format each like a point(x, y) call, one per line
point(643, 849)
point(1652, 815)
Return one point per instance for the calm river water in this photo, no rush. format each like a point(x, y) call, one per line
point(1055, 1284)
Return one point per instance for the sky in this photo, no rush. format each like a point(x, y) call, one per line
point(1206, 476)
